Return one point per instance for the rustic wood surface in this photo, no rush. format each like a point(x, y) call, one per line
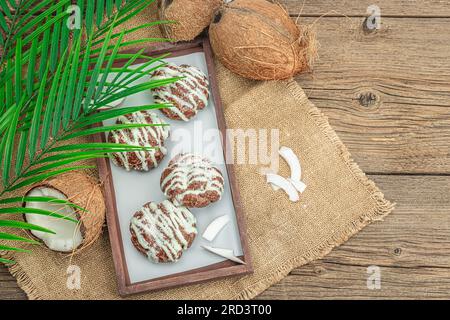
point(387, 94)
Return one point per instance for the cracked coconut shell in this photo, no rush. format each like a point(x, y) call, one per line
point(190, 17)
point(83, 191)
point(258, 40)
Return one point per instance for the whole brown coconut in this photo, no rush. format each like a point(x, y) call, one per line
point(190, 17)
point(258, 40)
point(81, 190)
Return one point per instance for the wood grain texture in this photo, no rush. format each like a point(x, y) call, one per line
point(411, 247)
point(389, 8)
point(9, 290)
point(386, 93)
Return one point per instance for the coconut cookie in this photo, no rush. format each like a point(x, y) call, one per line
point(162, 231)
point(187, 95)
point(153, 136)
point(192, 181)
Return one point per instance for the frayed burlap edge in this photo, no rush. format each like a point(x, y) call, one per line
point(23, 280)
point(382, 209)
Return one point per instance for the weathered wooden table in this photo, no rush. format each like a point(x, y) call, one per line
point(387, 94)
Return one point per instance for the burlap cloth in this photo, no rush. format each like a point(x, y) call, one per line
point(339, 201)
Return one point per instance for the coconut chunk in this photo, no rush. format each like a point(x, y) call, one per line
point(67, 235)
point(215, 227)
point(292, 160)
point(226, 253)
point(299, 185)
point(88, 209)
point(284, 184)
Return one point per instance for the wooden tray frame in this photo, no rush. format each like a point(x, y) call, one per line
point(214, 271)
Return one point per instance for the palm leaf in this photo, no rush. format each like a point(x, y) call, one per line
point(97, 146)
point(55, 42)
point(44, 176)
point(6, 261)
point(85, 121)
point(8, 248)
point(90, 7)
point(48, 115)
point(40, 199)
point(91, 154)
point(21, 150)
point(100, 12)
point(96, 72)
point(82, 80)
point(23, 225)
point(71, 86)
point(35, 124)
point(12, 237)
point(9, 145)
point(60, 97)
point(18, 71)
point(20, 210)
point(103, 129)
point(31, 66)
point(5, 9)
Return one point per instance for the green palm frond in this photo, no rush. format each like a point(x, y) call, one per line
point(6, 261)
point(53, 84)
point(12, 237)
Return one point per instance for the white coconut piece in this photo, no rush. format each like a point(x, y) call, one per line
point(296, 169)
point(292, 160)
point(215, 227)
point(226, 253)
point(284, 184)
point(67, 235)
point(299, 185)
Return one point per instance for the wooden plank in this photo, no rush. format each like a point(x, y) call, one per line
point(389, 8)
point(9, 290)
point(386, 93)
point(322, 280)
point(411, 247)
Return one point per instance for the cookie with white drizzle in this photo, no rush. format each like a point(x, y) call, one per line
point(192, 181)
point(187, 96)
point(153, 136)
point(162, 231)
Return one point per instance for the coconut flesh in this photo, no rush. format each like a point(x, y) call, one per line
point(258, 40)
point(67, 235)
point(81, 190)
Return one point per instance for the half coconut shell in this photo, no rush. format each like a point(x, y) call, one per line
point(83, 191)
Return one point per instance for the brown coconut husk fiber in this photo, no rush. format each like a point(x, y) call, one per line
point(82, 190)
point(190, 17)
point(258, 40)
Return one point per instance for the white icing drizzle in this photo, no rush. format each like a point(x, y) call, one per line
point(164, 223)
point(145, 137)
point(189, 169)
point(195, 84)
